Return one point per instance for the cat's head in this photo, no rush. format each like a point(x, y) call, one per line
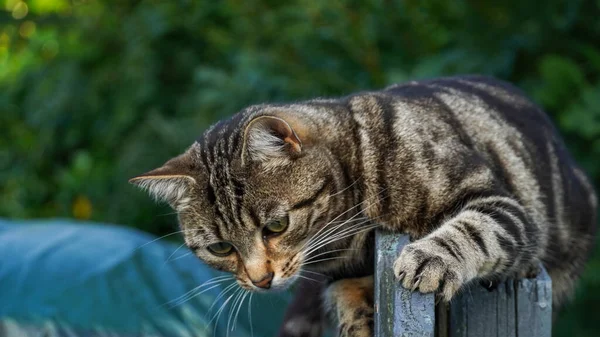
point(250, 194)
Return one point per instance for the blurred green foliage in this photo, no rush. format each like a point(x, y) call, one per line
point(92, 93)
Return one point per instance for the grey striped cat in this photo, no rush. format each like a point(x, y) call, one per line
point(469, 167)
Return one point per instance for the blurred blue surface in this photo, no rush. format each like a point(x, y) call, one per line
point(64, 278)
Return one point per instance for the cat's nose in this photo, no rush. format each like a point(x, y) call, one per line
point(265, 282)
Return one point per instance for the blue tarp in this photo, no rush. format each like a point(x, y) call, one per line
point(65, 278)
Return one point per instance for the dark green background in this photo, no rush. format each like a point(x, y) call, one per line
point(92, 93)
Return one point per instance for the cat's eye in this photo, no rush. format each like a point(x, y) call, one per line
point(221, 248)
point(276, 227)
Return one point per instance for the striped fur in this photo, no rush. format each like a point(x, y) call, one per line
point(468, 166)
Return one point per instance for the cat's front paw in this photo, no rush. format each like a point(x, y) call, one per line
point(350, 303)
point(424, 267)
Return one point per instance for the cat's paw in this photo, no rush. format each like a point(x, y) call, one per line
point(350, 303)
point(356, 329)
point(423, 267)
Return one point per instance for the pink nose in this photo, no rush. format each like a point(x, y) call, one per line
point(265, 282)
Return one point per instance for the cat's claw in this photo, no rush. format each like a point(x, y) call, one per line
point(421, 267)
point(416, 285)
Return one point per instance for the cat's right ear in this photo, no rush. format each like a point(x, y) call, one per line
point(169, 183)
point(272, 139)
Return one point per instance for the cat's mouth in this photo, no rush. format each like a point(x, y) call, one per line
point(284, 273)
point(278, 283)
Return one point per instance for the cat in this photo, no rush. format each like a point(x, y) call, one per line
point(468, 166)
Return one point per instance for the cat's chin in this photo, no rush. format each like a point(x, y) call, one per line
point(278, 285)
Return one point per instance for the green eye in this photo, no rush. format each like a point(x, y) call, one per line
point(277, 226)
point(221, 248)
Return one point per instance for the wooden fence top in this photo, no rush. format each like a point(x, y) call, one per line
point(515, 308)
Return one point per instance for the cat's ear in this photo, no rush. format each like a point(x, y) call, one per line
point(270, 138)
point(169, 183)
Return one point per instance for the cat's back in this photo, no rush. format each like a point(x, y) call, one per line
point(511, 132)
point(473, 100)
point(448, 122)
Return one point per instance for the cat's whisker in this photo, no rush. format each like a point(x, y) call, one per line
point(194, 292)
point(217, 280)
point(350, 234)
point(173, 253)
point(345, 212)
point(238, 310)
point(330, 251)
point(341, 233)
point(159, 238)
point(317, 235)
point(347, 187)
point(337, 222)
point(312, 272)
point(231, 311)
point(220, 311)
point(234, 304)
point(250, 315)
point(364, 220)
point(192, 296)
point(348, 221)
point(322, 242)
point(356, 231)
point(320, 232)
point(181, 256)
point(162, 237)
point(221, 294)
point(331, 231)
point(308, 278)
point(321, 260)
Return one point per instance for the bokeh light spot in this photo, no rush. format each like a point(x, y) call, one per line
point(82, 208)
point(4, 43)
point(27, 29)
point(10, 4)
point(20, 10)
point(50, 49)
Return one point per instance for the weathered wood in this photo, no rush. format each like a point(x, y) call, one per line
point(398, 311)
point(534, 306)
point(505, 304)
point(513, 308)
point(481, 312)
point(458, 317)
point(442, 319)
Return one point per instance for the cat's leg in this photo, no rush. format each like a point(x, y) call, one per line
point(489, 238)
point(305, 316)
point(350, 304)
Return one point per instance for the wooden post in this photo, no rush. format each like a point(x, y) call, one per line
point(398, 311)
point(514, 308)
point(534, 306)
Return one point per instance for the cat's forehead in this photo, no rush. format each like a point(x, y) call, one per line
point(227, 134)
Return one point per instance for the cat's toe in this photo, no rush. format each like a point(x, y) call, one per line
point(425, 270)
point(360, 328)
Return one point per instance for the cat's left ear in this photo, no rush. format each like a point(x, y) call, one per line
point(268, 138)
point(169, 183)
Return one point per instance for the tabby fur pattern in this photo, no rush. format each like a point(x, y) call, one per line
point(468, 166)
